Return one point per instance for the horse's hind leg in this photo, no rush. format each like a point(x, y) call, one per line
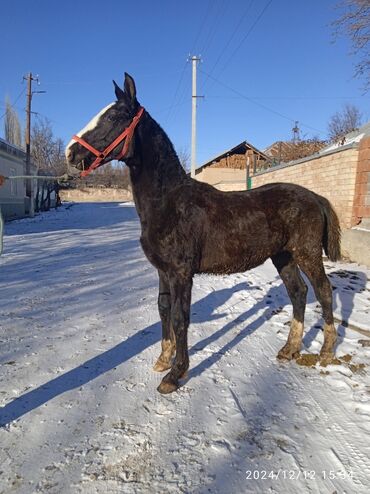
point(164, 361)
point(297, 291)
point(313, 268)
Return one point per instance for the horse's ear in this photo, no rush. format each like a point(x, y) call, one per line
point(130, 88)
point(119, 92)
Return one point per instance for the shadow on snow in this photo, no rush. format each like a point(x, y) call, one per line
point(275, 300)
point(64, 219)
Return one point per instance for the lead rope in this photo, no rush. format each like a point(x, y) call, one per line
point(62, 178)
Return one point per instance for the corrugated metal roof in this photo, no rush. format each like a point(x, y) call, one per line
point(350, 138)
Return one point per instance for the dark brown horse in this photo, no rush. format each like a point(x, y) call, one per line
point(188, 227)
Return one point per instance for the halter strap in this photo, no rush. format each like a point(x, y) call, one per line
point(101, 155)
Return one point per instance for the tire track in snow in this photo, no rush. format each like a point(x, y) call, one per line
point(348, 457)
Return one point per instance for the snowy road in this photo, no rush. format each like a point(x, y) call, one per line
point(78, 403)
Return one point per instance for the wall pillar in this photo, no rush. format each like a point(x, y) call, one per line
point(361, 205)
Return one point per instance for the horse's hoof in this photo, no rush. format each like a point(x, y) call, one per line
point(167, 387)
point(287, 353)
point(287, 356)
point(326, 358)
point(161, 366)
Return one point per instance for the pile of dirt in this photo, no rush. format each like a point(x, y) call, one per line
point(311, 359)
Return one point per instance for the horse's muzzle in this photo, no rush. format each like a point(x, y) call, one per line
point(74, 170)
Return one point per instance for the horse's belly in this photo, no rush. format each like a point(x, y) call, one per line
point(226, 261)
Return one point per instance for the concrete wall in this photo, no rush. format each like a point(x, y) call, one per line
point(90, 194)
point(356, 245)
point(332, 175)
point(12, 193)
point(223, 178)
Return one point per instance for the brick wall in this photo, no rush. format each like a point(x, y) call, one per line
point(334, 175)
point(361, 208)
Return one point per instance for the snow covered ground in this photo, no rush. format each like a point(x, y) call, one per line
point(78, 403)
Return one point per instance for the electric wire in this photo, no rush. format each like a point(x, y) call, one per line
point(271, 110)
point(241, 19)
point(259, 17)
point(16, 101)
point(178, 98)
point(215, 28)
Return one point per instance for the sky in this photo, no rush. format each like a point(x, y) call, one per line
point(264, 65)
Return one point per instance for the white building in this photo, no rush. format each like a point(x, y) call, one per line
point(13, 200)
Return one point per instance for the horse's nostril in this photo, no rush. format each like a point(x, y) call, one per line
point(72, 170)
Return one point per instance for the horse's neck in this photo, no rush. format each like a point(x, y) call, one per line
point(156, 172)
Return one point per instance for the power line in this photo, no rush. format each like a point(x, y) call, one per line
point(161, 111)
point(291, 97)
point(173, 105)
point(147, 75)
point(246, 36)
point(241, 19)
point(202, 24)
point(212, 32)
point(39, 116)
point(16, 101)
point(243, 96)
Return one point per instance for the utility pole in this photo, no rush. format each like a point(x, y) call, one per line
point(29, 183)
point(29, 78)
point(296, 131)
point(194, 59)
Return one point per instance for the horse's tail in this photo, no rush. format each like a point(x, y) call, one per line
point(332, 232)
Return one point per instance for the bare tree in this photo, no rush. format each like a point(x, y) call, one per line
point(184, 157)
point(343, 122)
point(12, 126)
point(115, 175)
point(48, 155)
point(47, 151)
point(355, 23)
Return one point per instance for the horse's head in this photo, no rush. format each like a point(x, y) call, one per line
point(92, 144)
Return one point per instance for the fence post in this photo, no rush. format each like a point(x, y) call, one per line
point(31, 212)
point(248, 177)
point(1, 231)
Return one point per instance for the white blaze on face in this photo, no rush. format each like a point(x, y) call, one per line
point(90, 126)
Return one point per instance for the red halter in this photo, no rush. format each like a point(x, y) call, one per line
point(101, 155)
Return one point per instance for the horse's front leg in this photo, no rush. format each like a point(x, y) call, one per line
point(180, 289)
point(168, 337)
